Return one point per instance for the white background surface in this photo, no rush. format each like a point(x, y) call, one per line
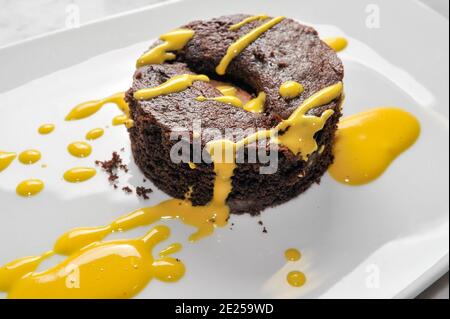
point(20, 19)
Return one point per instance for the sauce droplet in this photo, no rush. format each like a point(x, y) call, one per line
point(296, 278)
point(46, 129)
point(6, 158)
point(368, 142)
point(79, 174)
point(336, 43)
point(292, 254)
point(29, 157)
point(30, 187)
point(291, 89)
point(94, 134)
point(79, 149)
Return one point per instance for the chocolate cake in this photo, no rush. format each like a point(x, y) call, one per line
point(289, 51)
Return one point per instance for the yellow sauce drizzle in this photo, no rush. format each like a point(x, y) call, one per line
point(79, 149)
point(192, 165)
point(46, 129)
point(175, 84)
point(95, 134)
point(292, 254)
point(260, 17)
point(256, 105)
point(296, 278)
point(79, 174)
point(173, 41)
point(29, 157)
point(291, 89)
point(299, 137)
point(170, 250)
point(30, 187)
point(236, 48)
point(89, 108)
point(111, 269)
point(367, 143)
point(122, 120)
point(6, 158)
point(226, 99)
point(227, 90)
point(336, 43)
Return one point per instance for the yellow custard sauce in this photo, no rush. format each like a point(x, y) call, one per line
point(290, 89)
point(259, 17)
point(30, 187)
point(29, 157)
point(89, 108)
point(111, 269)
point(172, 41)
point(226, 99)
point(46, 129)
point(296, 278)
point(367, 143)
point(336, 43)
point(175, 84)
point(170, 250)
point(6, 158)
point(94, 134)
point(79, 174)
point(237, 47)
point(79, 149)
point(292, 254)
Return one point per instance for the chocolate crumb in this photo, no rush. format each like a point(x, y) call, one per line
point(143, 192)
point(264, 230)
point(127, 190)
point(260, 222)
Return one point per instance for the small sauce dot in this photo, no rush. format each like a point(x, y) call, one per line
point(29, 157)
point(292, 254)
point(30, 187)
point(79, 149)
point(296, 278)
point(46, 129)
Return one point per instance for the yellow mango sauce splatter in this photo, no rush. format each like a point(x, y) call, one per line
point(368, 142)
point(89, 108)
point(46, 129)
point(79, 149)
point(79, 174)
point(29, 187)
point(111, 269)
point(172, 41)
point(29, 157)
point(6, 158)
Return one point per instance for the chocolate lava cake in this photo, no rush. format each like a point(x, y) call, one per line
point(287, 51)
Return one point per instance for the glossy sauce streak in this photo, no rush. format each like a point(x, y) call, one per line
point(336, 43)
point(79, 174)
point(6, 158)
point(367, 143)
point(111, 269)
point(175, 84)
point(29, 157)
point(260, 17)
point(46, 129)
point(237, 47)
point(226, 99)
point(79, 149)
point(30, 187)
point(95, 134)
point(89, 108)
point(170, 250)
point(172, 41)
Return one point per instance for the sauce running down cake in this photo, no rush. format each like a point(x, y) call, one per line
point(241, 73)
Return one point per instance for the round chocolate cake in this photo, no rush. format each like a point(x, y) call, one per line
point(287, 51)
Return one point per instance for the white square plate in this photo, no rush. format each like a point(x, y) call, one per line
point(383, 240)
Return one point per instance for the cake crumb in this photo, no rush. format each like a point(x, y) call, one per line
point(127, 190)
point(264, 230)
point(143, 192)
